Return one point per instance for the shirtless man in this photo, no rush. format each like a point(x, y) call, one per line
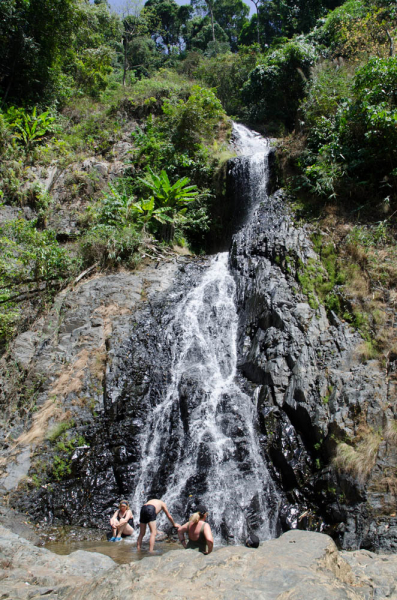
point(149, 512)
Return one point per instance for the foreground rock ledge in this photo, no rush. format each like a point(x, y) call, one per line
point(298, 565)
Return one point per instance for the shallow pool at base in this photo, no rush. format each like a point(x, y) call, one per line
point(121, 552)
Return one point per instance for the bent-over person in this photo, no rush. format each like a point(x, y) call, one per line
point(149, 512)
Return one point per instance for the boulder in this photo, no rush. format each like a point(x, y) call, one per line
point(295, 566)
point(31, 572)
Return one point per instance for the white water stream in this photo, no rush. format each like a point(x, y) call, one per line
point(218, 458)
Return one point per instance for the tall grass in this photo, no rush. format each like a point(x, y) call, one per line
point(358, 461)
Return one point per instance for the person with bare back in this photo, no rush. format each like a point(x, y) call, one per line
point(198, 531)
point(149, 512)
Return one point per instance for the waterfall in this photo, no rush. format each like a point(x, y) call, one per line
point(217, 458)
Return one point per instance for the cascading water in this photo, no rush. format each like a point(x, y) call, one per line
point(248, 173)
point(217, 457)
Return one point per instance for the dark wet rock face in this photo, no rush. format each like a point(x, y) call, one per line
point(312, 392)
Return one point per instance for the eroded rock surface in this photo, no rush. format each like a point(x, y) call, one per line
point(64, 362)
point(312, 390)
point(297, 565)
point(27, 571)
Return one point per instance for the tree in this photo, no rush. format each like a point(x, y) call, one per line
point(276, 86)
point(206, 6)
point(256, 3)
point(231, 15)
point(89, 58)
point(135, 25)
point(228, 72)
point(165, 21)
point(184, 16)
point(34, 35)
point(201, 34)
point(289, 17)
point(249, 32)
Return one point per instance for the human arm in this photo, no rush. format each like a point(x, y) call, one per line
point(126, 518)
point(181, 534)
point(167, 512)
point(113, 520)
point(208, 538)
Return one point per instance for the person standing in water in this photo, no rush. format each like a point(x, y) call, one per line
point(149, 512)
point(121, 522)
point(198, 531)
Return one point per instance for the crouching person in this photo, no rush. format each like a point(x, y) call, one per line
point(121, 522)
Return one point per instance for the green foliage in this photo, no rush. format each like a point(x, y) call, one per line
point(285, 18)
point(353, 145)
point(179, 143)
point(33, 36)
point(110, 246)
point(228, 73)
point(276, 86)
point(92, 68)
point(145, 212)
point(62, 463)
point(115, 207)
point(31, 254)
point(173, 197)
point(59, 429)
point(32, 266)
point(327, 397)
point(370, 236)
point(359, 28)
point(31, 128)
point(164, 84)
point(231, 15)
point(164, 22)
point(167, 204)
point(195, 120)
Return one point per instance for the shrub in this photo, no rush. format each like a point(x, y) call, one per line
point(92, 69)
point(275, 87)
point(115, 207)
point(358, 29)
point(352, 148)
point(110, 246)
point(33, 266)
point(196, 120)
point(30, 127)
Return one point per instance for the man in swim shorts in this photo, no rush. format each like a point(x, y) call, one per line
point(149, 512)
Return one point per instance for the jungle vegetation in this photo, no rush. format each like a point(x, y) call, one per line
point(77, 80)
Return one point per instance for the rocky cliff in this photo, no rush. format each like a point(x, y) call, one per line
point(78, 387)
point(313, 391)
